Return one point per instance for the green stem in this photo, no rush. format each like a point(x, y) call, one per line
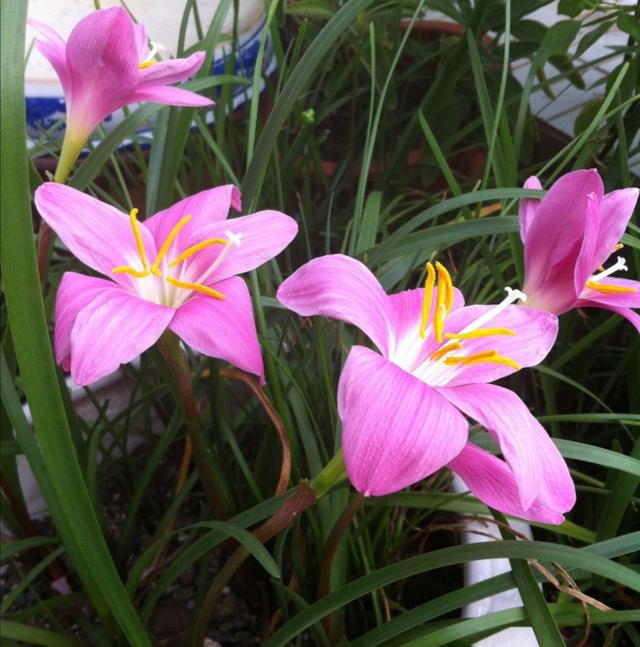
point(332, 474)
point(169, 346)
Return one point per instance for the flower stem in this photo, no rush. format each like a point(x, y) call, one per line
point(169, 346)
point(331, 475)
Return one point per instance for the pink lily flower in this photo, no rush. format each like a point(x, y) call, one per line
point(106, 64)
point(568, 237)
point(403, 409)
point(175, 270)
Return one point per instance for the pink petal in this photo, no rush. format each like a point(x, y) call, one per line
point(585, 260)
point(261, 237)
point(95, 232)
point(535, 334)
point(409, 349)
point(343, 288)
point(554, 240)
point(537, 466)
point(616, 210)
point(620, 303)
point(142, 46)
point(75, 293)
point(53, 49)
point(222, 328)
point(169, 96)
point(102, 59)
point(172, 71)
point(396, 429)
point(491, 480)
point(205, 208)
point(112, 330)
point(528, 207)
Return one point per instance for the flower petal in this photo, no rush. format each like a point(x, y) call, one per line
point(142, 45)
point(616, 210)
point(205, 208)
point(53, 49)
point(112, 330)
point(97, 233)
point(491, 480)
point(538, 468)
point(396, 429)
point(169, 96)
point(535, 334)
point(222, 328)
point(101, 55)
point(343, 288)
point(75, 293)
point(554, 240)
point(171, 71)
point(528, 207)
point(585, 261)
point(621, 302)
point(409, 349)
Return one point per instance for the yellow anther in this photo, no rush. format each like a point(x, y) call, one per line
point(125, 269)
point(428, 295)
point(601, 268)
point(470, 359)
point(609, 289)
point(444, 276)
point(441, 302)
point(190, 251)
point(618, 247)
point(480, 332)
point(196, 287)
point(144, 64)
point(440, 353)
point(138, 236)
point(167, 242)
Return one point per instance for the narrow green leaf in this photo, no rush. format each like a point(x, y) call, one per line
point(35, 636)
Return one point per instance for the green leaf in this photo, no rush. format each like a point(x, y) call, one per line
point(630, 25)
point(35, 636)
point(14, 547)
point(75, 518)
point(558, 38)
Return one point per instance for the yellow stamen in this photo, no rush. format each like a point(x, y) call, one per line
point(601, 268)
point(190, 251)
point(480, 332)
point(145, 64)
point(125, 269)
point(441, 301)
point(136, 232)
point(428, 295)
point(196, 287)
point(439, 354)
point(609, 289)
point(468, 359)
point(618, 247)
point(167, 243)
point(444, 273)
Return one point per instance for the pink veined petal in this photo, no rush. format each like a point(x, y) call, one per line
point(260, 237)
point(205, 208)
point(554, 239)
point(620, 303)
point(409, 349)
point(491, 480)
point(53, 49)
point(528, 207)
point(95, 232)
point(538, 468)
point(169, 96)
point(396, 429)
point(343, 288)
point(112, 330)
point(616, 210)
point(222, 328)
point(535, 334)
point(142, 46)
point(102, 60)
point(171, 71)
point(585, 261)
point(75, 293)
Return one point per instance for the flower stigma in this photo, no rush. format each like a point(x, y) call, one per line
point(150, 60)
point(606, 288)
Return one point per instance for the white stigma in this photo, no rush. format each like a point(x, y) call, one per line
point(234, 238)
point(512, 296)
point(155, 48)
point(619, 266)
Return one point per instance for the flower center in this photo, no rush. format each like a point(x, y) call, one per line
point(160, 267)
point(455, 341)
point(620, 265)
point(149, 61)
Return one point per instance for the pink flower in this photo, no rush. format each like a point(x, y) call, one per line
point(402, 409)
point(106, 64)
point(176, 270)
point(568, 236)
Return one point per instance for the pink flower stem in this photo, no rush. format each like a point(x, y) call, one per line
point(176, 361)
